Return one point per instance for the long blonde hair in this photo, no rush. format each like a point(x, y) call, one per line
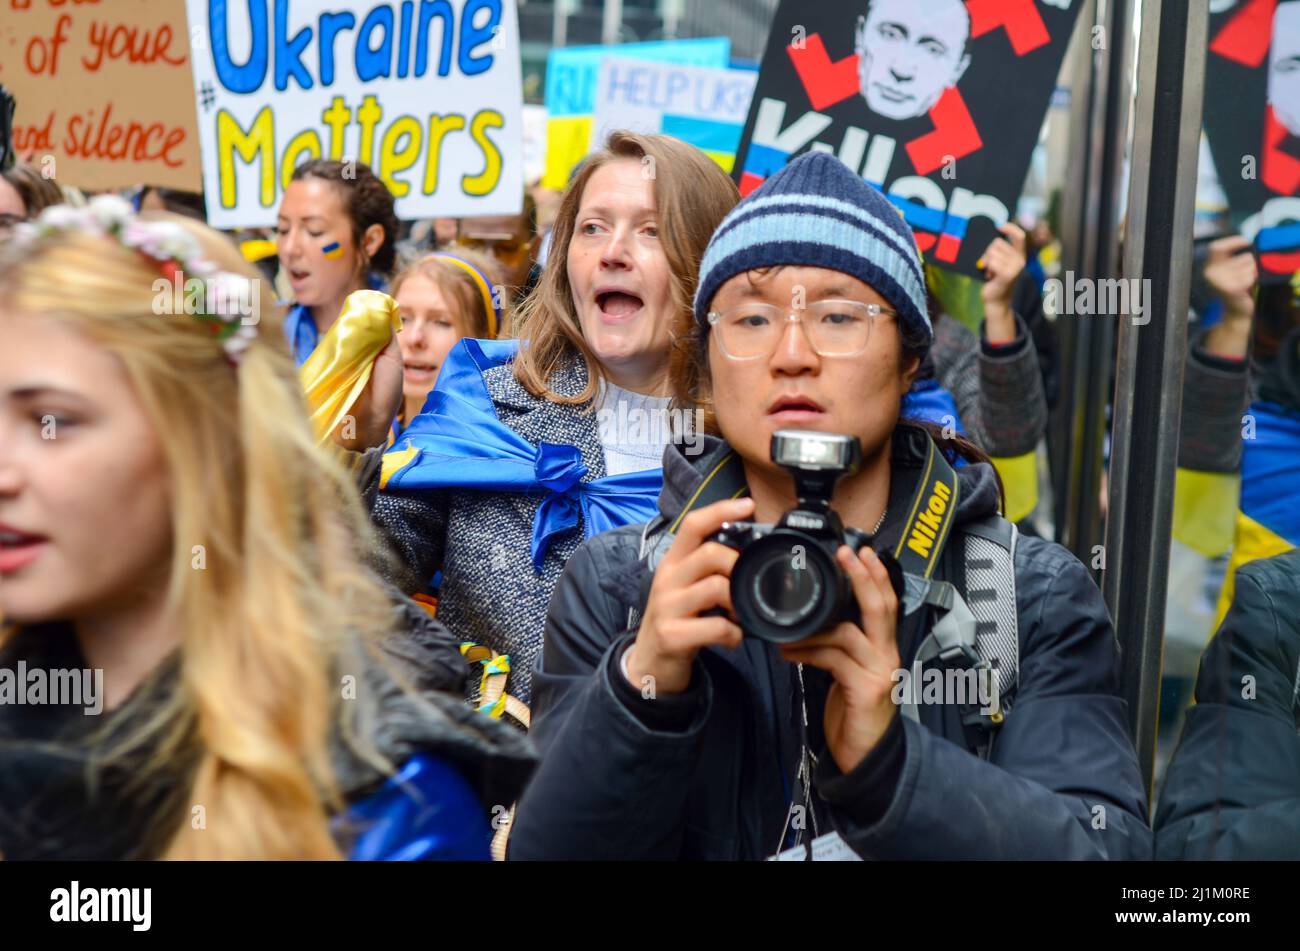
point(692, 196)
point(266, 624)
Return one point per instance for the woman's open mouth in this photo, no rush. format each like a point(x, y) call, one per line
point(18, 549)
point(618, 306)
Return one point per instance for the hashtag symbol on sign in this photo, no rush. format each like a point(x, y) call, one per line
point(207, 96)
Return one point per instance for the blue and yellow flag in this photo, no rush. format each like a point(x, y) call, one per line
point(1269, 520)
point(458, 441)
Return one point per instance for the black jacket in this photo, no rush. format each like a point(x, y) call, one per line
point(62, 798)
point(1233, 786)
point(709, 773)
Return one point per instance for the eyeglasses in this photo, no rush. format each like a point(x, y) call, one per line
point(834, 328)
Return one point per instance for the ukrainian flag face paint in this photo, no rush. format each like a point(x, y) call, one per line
point(313, 238)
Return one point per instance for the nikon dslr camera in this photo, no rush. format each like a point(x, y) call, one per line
point(787, 585)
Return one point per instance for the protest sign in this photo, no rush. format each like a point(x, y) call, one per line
point(937, 102)
point(427, 94)
point(704, 107)
point(571, 78)
point(1252, 119)
point(102, 91)
point(534, 143)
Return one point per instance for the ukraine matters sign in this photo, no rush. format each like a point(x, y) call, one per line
point(427, 93)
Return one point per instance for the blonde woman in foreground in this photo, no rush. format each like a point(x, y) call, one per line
point(171, 533)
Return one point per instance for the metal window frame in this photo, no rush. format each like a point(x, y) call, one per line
point(1149, 379)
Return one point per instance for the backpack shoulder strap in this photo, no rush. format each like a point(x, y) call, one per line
point(654, 542)
point(989, 587)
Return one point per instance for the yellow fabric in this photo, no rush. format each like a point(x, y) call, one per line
point(1205, 504)
point(1251, 542)
point(1049, 254)
point(1020, 480)
point(257, 250)
point(393, 461)
point(496, 668)
point(475, 653)
point(567, 140)
point(339, 368)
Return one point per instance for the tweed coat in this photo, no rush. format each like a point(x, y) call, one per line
point(481, 541)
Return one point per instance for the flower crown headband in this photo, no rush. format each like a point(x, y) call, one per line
point(176, 251)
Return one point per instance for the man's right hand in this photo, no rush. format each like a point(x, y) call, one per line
point(694, 577)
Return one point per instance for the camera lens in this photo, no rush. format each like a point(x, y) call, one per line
point(786, 588)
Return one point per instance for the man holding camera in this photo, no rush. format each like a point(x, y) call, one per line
point(722, 683)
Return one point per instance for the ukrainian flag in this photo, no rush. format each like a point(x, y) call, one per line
point(1268, 522)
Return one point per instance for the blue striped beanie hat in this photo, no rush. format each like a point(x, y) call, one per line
point(814, 212)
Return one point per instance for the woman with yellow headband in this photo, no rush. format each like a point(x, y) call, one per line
point(441, 298)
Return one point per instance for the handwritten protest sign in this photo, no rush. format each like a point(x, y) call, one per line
point(705, 107)
point(937, 102)
point(102, 90)
point(571, 78)
point(427, 94)
point(1252, 119)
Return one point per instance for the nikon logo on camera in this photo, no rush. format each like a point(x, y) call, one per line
point(925, 529)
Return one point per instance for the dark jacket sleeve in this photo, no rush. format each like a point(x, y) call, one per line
point(1233, 787)
point(1062, 781)
point(414, 526)
point(413, 678)
point(631, 800)
point(1215, 395)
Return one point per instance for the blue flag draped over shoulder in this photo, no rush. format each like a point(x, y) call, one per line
point(457, 441)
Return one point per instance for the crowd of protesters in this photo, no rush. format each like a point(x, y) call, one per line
point(497, 584)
